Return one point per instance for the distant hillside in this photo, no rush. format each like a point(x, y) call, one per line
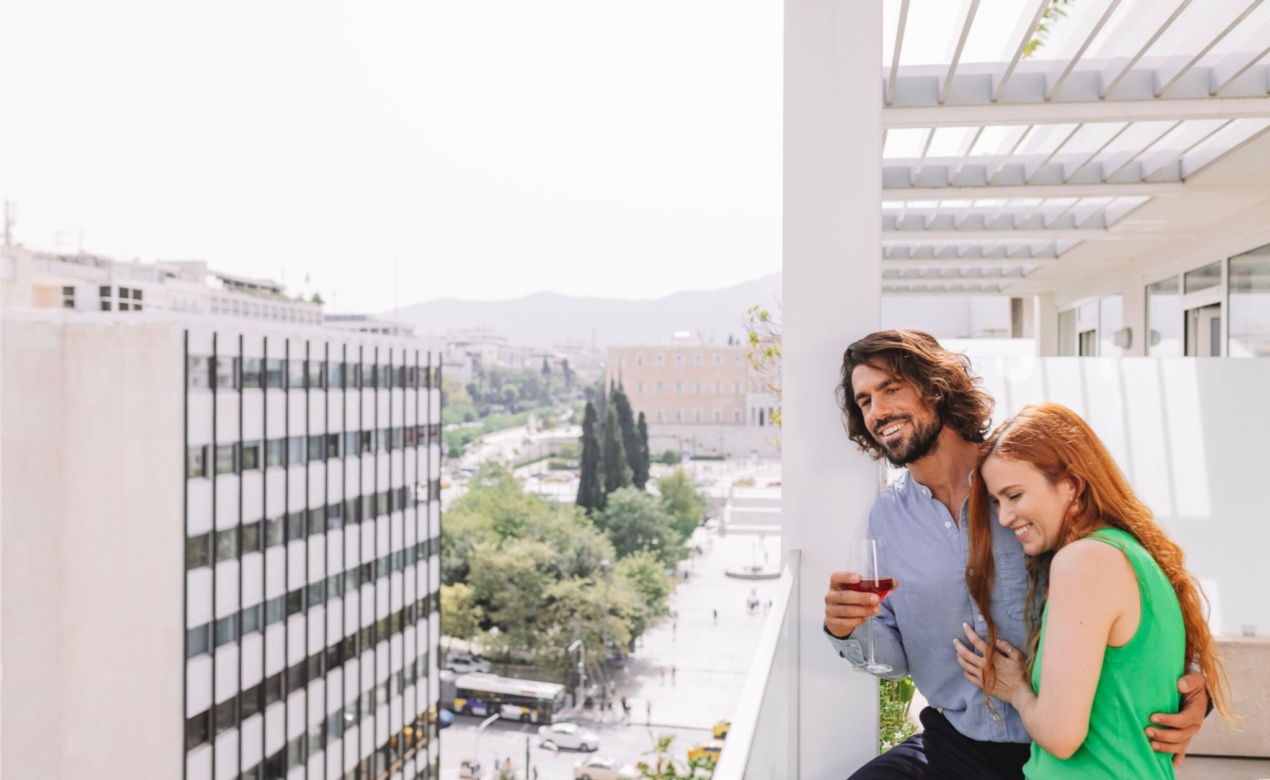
point(544, 318)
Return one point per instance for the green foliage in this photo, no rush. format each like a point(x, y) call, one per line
point(461, 437)
point(894, 698)
point(535, 571)
point(1057, 9)
point(590, 487)
point(641, 431)
point(680, 498)
point(663, 766)
point(633, 521)
point(671, 457)
point(763, 336)
point(461, 616)
point(635, 454)
point(617, 472)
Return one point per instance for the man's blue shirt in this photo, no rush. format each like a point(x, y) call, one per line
point(928, 553)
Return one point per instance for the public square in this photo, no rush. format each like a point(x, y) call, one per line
point(704, 661)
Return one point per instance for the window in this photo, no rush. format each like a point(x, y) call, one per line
point(105, 297)
point(659, 388)
point(639, 387)
point(317, 445)
point(226, 372)
point(196, 462)
point(1202, 278)
point(736, 416)
point(250, 455)
point(639, 360)
point(252, 619)
point(198, 551)
point(696, 360)
point(718, 360)
point(696, 416)
point(368, 441)
point(317, 374)
point(196, 641)
point(295, 678)
point(335, 375)
point(718, 416)
point(1249, 279)
point(275, 453)
point(352, 443)
point(736, 388)
point(227, 714)
point(295, 374)
point(398, 436)
point(679, 360)
point(200, 372)
point(198, 730)
point(226, 545)
point(317, 520)
point(225, 460)
point(317, 594)
point(332, 445)
point(295, 602)
point(275, 374)
point(697, 389)
point(273, 532)
point(226, 629)
point(251, 372)
point(249, 701)
point(679, 388)
point(295, 451)
point(660, 360)
point(275, 610)
point(68, 297)
point(352, 511)
point(718, 388)
point(334, 517)
point(273, 689)
point(659, 417)
point(679, 416)
point(295, 526)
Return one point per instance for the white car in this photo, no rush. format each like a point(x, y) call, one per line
point(464, 664)
point(569, 735)
point(603, 768)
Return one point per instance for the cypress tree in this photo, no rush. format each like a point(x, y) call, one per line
point(590, 492)
point(617, 473)
point(630, 437)
point(640, 475)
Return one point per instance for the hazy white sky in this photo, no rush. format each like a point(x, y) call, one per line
point(495, 148)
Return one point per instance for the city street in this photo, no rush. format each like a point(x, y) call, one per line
point(686, 673)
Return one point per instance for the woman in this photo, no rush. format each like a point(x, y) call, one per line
point(1121, 616)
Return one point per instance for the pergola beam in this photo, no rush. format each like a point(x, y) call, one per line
point(989, 191)
point(1062, 112)
point(1015, 234)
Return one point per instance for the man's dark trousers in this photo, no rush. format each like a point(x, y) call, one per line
point(943, 753)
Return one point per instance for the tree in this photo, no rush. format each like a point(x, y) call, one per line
point(546, 370)
point(640, 477)
point(569, 376)
point(590, 488)
point(646, 576)
point(459, 612)
point(634, 521)
point(630, 438)
point(617, 473)
point(317, 298)
point(509, 394)
point(679, 497)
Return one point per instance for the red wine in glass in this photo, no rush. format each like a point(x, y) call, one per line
point(864, 557)
point(882, 586)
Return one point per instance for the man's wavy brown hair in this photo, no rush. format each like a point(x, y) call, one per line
point(941, 377)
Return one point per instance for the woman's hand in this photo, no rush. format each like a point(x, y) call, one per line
point(1008, 664)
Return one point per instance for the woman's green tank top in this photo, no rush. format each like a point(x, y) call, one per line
point(1137, 680)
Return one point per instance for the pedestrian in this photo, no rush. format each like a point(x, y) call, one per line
point(672, 674)
point(648, 713)
point(535, 773)
point(716, 616)
point(661, 670)
point(626, 710)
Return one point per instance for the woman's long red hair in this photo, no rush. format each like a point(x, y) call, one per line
point(1062, 446)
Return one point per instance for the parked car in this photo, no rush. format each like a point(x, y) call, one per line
point(569, 735)
point(603, 768)
point(710, 748)
point(721, 729)
point(463, 664)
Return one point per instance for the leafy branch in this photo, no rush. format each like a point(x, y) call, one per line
point(1053, 12)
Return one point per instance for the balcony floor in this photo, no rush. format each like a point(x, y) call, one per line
point(1206, 768)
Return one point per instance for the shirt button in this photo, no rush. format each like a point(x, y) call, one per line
point(979, 618)
point(947, 524)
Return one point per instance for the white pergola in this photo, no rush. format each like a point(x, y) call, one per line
point(1138, 128)
point(1135, 124)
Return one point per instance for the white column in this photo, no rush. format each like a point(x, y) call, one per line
point(832, 296)
point(1046, 325)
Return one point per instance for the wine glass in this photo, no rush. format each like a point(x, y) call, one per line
point(864, 557)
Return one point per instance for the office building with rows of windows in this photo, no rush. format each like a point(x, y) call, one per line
point(220, 549)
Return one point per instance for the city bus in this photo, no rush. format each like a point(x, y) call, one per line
point(528, 701)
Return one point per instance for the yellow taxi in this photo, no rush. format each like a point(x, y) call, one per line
point(721, 729)
point(710, 748)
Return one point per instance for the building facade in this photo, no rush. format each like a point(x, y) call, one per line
point(701, 399)
point(221, 541)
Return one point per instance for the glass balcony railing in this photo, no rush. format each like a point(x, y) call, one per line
point(763, 740)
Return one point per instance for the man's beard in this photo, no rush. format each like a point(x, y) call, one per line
point(921, 443)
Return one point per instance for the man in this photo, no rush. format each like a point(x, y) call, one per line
point(911, 401)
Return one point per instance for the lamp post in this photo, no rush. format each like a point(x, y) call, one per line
point(604, 639)
point(476, 745)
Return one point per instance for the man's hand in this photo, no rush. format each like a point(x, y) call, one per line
point(846, 609)
point(1173, 733)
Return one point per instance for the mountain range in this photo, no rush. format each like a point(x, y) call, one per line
point(545, 318)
